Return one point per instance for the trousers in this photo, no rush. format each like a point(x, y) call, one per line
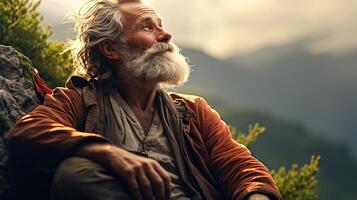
point(80, 178)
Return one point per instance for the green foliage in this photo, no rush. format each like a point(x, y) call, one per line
point(26, 69)
point(298, 184)
point(20, 27)
point(295, 184)
point(246, 139)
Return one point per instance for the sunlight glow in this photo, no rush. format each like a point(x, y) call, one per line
point(228, 27)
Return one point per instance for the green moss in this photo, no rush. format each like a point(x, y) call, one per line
point(26, 69)
point(26, 66)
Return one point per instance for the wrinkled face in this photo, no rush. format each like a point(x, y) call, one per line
point(142, 26)
point(147, 52)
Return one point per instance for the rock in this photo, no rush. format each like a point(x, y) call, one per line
point(17, 96)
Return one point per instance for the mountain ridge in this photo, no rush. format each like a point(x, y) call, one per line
point(316, 90)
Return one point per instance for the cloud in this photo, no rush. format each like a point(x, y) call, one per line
point(237, 26)
point(229, 27)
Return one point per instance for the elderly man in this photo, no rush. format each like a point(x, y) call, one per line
point(118, 134)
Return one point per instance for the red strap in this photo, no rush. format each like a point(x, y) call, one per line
point(40, 85)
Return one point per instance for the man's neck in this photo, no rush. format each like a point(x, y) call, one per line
point(138, 95)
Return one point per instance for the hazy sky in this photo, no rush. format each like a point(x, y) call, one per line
point(227, 27)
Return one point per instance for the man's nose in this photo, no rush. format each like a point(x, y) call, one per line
point(164, 36)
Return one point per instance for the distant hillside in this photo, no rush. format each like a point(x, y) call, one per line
point(285, 143)
point(317, 90)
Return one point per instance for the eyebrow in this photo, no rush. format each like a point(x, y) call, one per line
point(146, 19)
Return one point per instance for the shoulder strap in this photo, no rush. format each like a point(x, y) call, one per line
point(40, 86)
point(184, 113)
point(182, 109)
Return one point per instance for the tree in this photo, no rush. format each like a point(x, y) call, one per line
point(295, 184)
point(20, 27)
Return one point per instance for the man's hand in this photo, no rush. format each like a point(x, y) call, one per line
point(143, 175)
point(145, 178)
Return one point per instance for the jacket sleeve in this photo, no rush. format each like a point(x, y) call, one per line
point(235, 169)
point(50, 132)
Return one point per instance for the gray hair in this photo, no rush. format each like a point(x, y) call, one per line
point(97, 21)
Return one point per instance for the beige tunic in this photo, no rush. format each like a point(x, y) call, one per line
point(156, 144)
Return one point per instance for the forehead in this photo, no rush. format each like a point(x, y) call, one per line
point(135, 12)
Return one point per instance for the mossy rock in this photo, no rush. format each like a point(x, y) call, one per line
point(17, 97)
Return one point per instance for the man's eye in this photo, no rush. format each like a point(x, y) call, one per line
point(146, 27)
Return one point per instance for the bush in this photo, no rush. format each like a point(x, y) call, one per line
point(20, 27)
point(295, 184)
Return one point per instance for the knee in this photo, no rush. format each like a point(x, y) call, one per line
point(80, 178)
point(74, 169)
point(73, 175)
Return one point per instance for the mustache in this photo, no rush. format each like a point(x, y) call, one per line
point(160, 48)
point(153, 52)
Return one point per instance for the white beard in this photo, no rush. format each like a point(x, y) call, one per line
point(162, 62)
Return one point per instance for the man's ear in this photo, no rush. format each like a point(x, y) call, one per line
point(109, 50)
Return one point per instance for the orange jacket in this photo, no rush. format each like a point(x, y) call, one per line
point(67, 119)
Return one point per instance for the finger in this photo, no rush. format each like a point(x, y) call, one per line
point(157, 183)
point(133, 184)
point(145, 185)
point(165, 177)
